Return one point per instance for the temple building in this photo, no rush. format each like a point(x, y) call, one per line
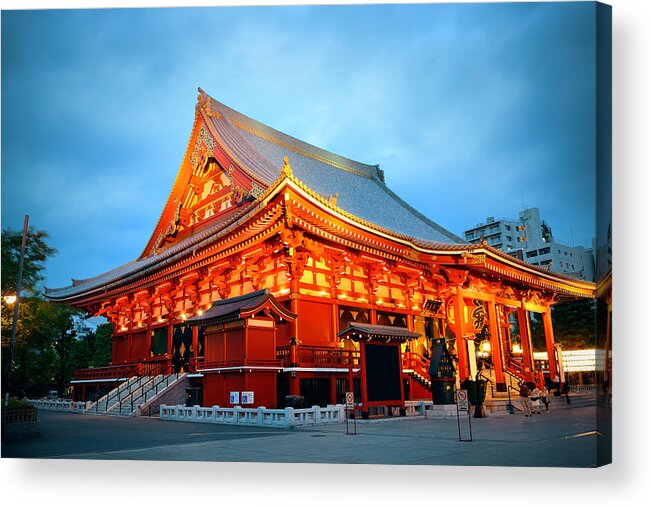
point(280, 270)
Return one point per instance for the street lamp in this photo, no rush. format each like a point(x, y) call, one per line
point(10, 300)
point(16, 300)
point(485, 348)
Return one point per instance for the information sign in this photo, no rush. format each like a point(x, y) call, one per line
point(350, 401)
point(247, 397)
point(235, 397)
point(462, 400)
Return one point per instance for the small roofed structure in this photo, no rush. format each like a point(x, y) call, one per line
point(239, 348)
point(261, 303)
point(380, 363)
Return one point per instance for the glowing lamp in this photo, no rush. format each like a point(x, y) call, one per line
point(516, 349)
point(10, 300)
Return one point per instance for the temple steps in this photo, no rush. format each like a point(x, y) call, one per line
point(126, 398)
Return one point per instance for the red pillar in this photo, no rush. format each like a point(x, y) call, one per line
point(195, 347)
point(294, 385)
point(362, 365)
point(496, 346)
point(525, 340)
point(549, 344)
point(462, 348)
point(333, 389)
point(129, 347)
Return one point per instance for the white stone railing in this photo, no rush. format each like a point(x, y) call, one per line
point(58, 405)
point(261, 416)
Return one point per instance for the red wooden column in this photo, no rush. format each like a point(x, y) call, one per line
point(129, 346)
point(462, 348)
point(402, 384)
point(549, 343)
point(496, 347)
point(195, 347)
point(362, 365)
point(294, 384)
point(525, 339)
point(333, 389)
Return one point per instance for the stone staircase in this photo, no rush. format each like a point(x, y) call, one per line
point(128, 396)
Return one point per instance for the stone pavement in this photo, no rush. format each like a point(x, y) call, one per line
point(561, 438)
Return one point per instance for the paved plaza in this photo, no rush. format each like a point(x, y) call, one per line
point(565, 437)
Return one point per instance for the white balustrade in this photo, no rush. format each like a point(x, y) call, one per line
point(58, 405)
point(261, 416)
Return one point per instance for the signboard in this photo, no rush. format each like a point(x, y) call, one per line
point(463, 406)
point(235, 398)
point(462, 400)
point(350, 401)
point(247, 397)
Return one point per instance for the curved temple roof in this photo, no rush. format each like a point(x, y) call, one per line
point(360, 187)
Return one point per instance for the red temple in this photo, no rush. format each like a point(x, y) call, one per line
point(279, 269)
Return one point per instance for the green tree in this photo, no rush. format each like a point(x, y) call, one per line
point(94, 349)
point(37, 251)
point(44, 336)
point(103, 349)
point(574, 325)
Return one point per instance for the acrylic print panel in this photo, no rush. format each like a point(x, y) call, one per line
point(348, 186)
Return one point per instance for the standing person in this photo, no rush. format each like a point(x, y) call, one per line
point(566, 392)
point(544, 396)
point(535, 400)
point(524, 397)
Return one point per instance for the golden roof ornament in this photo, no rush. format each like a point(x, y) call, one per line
point(204, 103)
point(287, 169)
point(333, 199)
point(202, 99)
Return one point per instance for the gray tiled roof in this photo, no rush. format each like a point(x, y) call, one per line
point(361, 191)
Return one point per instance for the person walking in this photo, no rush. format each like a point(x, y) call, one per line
point(535, 400)
point(566, 392)
point(524, 398)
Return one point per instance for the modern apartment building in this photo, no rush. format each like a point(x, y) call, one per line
point(530, 239)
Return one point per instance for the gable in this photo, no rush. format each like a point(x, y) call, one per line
point(208, 187)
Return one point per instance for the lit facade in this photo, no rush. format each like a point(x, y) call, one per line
point(280, 269)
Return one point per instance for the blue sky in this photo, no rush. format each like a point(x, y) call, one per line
point(468, 108)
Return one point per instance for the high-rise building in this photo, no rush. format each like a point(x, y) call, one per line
point(530, 239)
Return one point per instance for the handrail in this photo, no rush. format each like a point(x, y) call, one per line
point(489, 380)
point(152, 370)
point(314, 356)
point(416, 362)
point(164, 378)
point(113, 371)
point(231, 363)
point(510, 407)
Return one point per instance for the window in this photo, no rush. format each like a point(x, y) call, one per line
point(532, 253)
point(509, 238)
point(159, 341)
point(544, 251)
point(508, 227)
